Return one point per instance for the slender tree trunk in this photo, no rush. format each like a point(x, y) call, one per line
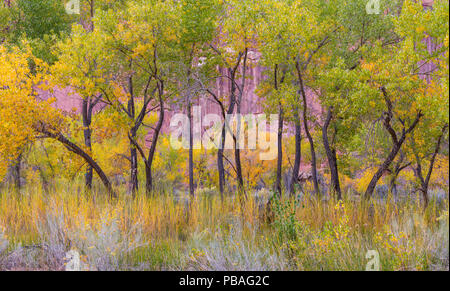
point(151, 152)
point(424, 182)
point(382, 169)
point(220, 166)
point(308, 134)
point(220, 152)
point(134, 166)
point(396, 143)
point(17, 172)
point(191, 154)
point(331, 155)
point(298, 152)
point(77, 150)
point(86, 115)
point(148, 178)
point(336, 181)
point(92, 10)
point(225, 127)
point(237, 152)
point(134, 183)
point(280, 152)
point(279, 135)
point(237, 158)
point(397, 169)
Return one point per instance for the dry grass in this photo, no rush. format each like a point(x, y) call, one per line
point(205, 233)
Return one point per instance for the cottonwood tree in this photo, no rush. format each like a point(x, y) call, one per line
point(139, 41)
point(278, 89)
point(233, 46)
point(41, 22)
point(24, 117)
point(192, 60)
point(421, 28)
point(311, 30)
point(394, 73)
point(78, 68)
point(334, 74)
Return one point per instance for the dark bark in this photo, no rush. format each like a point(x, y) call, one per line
point(331, 155)
point(424, 182)
point(17, 172)
point(399, 166)
point(336, 181)
point(298, 152)
point(91, 10)
point(134, 166)
point(191, 154)
point(280, 152)
point(138, 122)
point(308, 134)
point(77, 150)
point(220, 166)
point(279, 136)
point(86, 115)
point(396, 143)
point(220, 152)
point(237, 153)
point(151, 152)
point(134, 183)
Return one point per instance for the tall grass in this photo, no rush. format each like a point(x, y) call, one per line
point(161, 232)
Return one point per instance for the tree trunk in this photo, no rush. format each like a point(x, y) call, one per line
point(280, 152)
point(86, 115)
point(148, 179)
point(397, 169)
point(279, 135)
point(237, 158)
point(220, 166)
point(424, 182)
point(396, 143)
point(387, 162)
point(191, 154)
point(298, 152)
point(77, 150)
point(225, 127)
point(308, 134)
point(331, 155)
point(134, 167)
point(237, 152)
point(151, 152)
point(16, 172)
point(134, 183)
point(220, 152)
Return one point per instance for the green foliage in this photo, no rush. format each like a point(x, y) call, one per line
point(37, 18)
point(41, 22)
point(285, 221)
point(144, 56)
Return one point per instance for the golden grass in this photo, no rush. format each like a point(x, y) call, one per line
point(323, 231)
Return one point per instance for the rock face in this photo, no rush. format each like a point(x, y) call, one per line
point(427, 3)
point(69, 101)
point(66, 99)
